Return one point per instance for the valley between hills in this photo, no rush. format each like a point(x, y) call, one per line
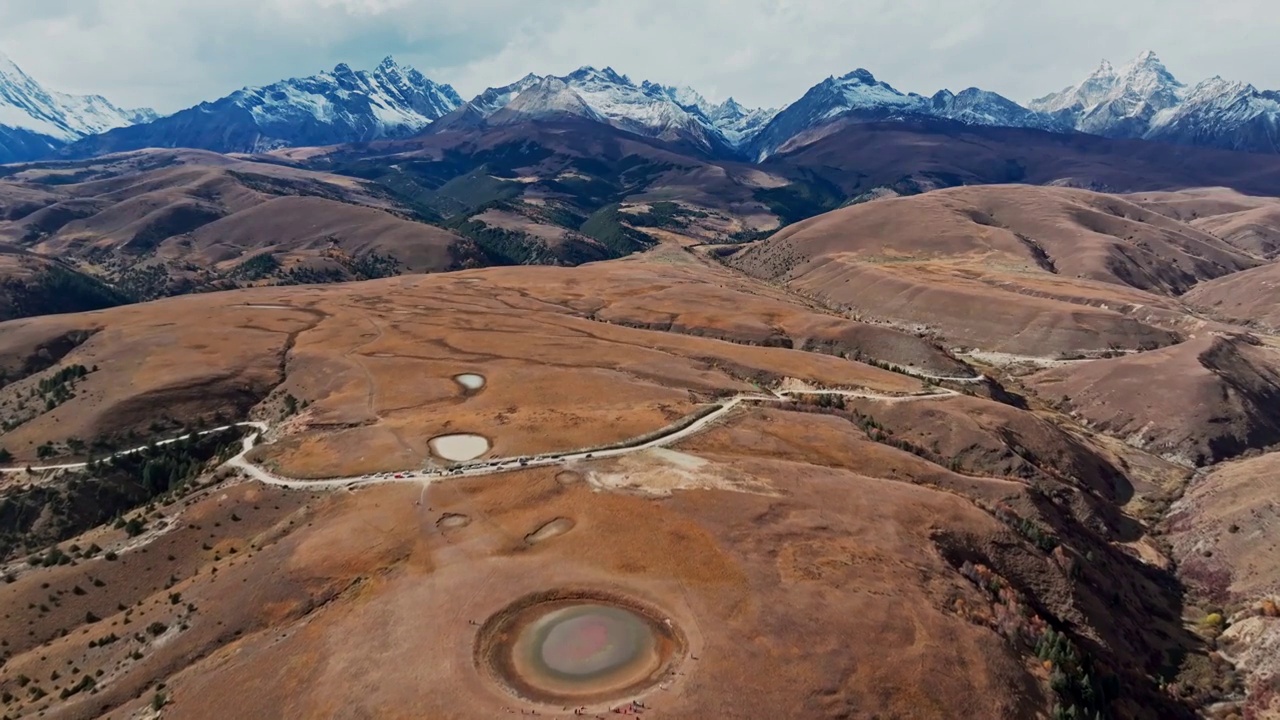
point(912, 419)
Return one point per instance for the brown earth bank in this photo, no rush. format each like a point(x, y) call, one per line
point(1049, 272)
point(1225, 536)
point(1061, 231)
point(1254, 230)
point(1251, 224)
point(1250, 298)
point(1197, 403)
point(1200, 204)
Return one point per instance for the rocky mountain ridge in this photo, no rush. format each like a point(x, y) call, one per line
point(1141, 100)
point(35, 121)
point(333, 107)
point(1144, 100)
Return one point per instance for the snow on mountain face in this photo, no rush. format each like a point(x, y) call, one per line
point(550, 96)
point(859, 96)
point(1142, 89)
point(615, 97)
point(1116, 103)
point(387, 102)
point(733, 121)
point(494, 99)
point(92, 114)
point(1144, 100)
point(739, 124)
point(29, 110)
point(859, 90)
point(340, 106)
point(982, 107)
point(685, 97)
point(649, 109)
point(855, 94)
point(1089, 93)
point(646, 109)
point(1222, 114)
point(138, 116)
point(1140, 100)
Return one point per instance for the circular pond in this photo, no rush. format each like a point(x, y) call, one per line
point(578, 649)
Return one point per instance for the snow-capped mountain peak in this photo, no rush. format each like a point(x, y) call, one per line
point(1222, 113)
point(730, 108)
point(387, 65)
point(974, 106)
point(1087, 94)
point(1216, 87)
point(860, 89)
point(1140, 90)
point(684, 96)
point(549, 97)
point(494, 99)
point(1141, 99)
point(688, 97)
point(34, 121)
point(857, 94)
point(1116, 102)
point(737, 123)
point(651, 109)
point(1147, 77)
point(391, 100)
point(589, 75)
point(1144, 100)
point(342, 105)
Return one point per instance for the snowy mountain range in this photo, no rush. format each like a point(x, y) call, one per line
point(340, 106)
point(1144, 100)
point(1140, 100)
point(681, 114)
point(34, 121)
point(649, 109)
point(860, 97)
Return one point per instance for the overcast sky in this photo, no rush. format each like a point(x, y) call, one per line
point(170, 54)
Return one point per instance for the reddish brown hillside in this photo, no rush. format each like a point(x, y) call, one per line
point(1247, 298)
point(1200, 402)
point(1020, 269)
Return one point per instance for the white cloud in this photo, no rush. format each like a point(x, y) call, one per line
point(173, 53)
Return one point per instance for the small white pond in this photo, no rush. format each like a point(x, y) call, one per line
point(459, 447)
point(470, 381)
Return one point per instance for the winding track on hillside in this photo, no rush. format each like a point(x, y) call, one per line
point(476, 468)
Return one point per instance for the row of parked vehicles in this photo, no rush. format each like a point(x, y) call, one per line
point(458, 470)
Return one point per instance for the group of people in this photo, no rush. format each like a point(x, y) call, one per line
point(635, 707)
